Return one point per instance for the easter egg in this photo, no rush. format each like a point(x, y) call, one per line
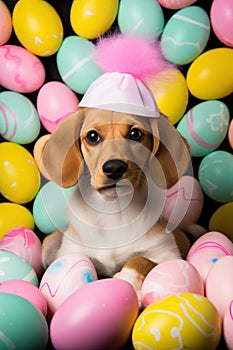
point(171, 277)
point(55, 101)
point(221, 220)
point(76, 65)
point(205, 126)
point(230, 134)
point(179, 321)
point(215, 176)
point(101, 315)
point(19, 120)
point(22, 325)
point(63, 277)
point(49, 207)
point(210, 76)
point(221, 14)
point(184, 203)
point(14, 215)
point(167, 87)
point(38, 27)
point(208, 249)
point(5, 23)
point(92, 18)
point(38, 151)
point(176, 4)
point(185, 35)
point(144, 18)
point(25, 243)
point(228, 326)
point(13, 267)
point(219, 284)
point(25, 290)
point(19, 175)
point(21, 70)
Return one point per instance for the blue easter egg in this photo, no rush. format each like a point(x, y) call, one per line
point(139, 17)
point(215, 175)
point(205, 126)
point(19, 120)
point(75, 63)
point(185, 35)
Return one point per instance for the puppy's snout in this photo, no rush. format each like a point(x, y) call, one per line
point(115, 168)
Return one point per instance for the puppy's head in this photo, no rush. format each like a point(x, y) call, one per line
point(115, 148)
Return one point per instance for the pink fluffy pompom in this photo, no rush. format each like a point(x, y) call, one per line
point(137, 56)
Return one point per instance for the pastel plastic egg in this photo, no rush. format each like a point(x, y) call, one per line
point(19, 120)
point(25, 243)
point(22, 325)
point(184, 203)
point(76, 65)
point(210, 76)
point(171, 277)
point(21, 70)
point(38, 151)
point(230, 134)
point(5, 23)
point(180, 321)
point(176, 4)
point(219, 284)
point(228, 326)
point(55, 101)
point(185, 35)
point(106, 309)
point(221, 220)
point(63, 277)
point(13, 267)
point(221, 14)
point(14, 215)
point(19, 175)
point(208, 249)
point(49, 207)
point(92, 18)
point(167, 87)
point(142, 18)
point(205, 126)
point(25, 290)
point(38, 27)
point(215, 176)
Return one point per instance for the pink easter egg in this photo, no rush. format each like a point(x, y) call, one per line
point(63, 277)
point(228, 326)
point(21, 71)
point(219, 284)
point(26, 290)
point(55, 101)
point(25, 243)
point(230, 134)
point(176, 4)
point(5, 23)
point(184, 203)
point(221, 15)
point(207, 250)
point(171, 277)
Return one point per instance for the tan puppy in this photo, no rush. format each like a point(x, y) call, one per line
point(123, 164)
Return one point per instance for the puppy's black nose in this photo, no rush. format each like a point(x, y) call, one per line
point(115, 169)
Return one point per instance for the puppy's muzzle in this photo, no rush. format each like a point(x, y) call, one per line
point(115, 169)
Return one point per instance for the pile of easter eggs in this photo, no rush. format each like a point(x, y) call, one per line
point(46, 65)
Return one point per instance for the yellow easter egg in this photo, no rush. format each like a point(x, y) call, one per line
point(179, 321)
point(19, 174)
point(14, 215)
point(210, 76)
point(221, 220)
point(91, 18)
point(38, 26)
point(170, 91)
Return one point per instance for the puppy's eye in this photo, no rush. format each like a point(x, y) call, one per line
point(93, 138)
point(135, 135)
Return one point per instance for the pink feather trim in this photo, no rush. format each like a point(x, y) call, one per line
point(137, 56)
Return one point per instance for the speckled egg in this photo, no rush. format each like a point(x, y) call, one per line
point(205, 126)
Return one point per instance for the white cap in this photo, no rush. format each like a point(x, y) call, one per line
point(120, 92)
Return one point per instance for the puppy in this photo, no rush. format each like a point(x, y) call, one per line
point(121, 166)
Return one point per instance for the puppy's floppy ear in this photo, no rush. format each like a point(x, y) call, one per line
point(61, 157)
point(171, 153)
